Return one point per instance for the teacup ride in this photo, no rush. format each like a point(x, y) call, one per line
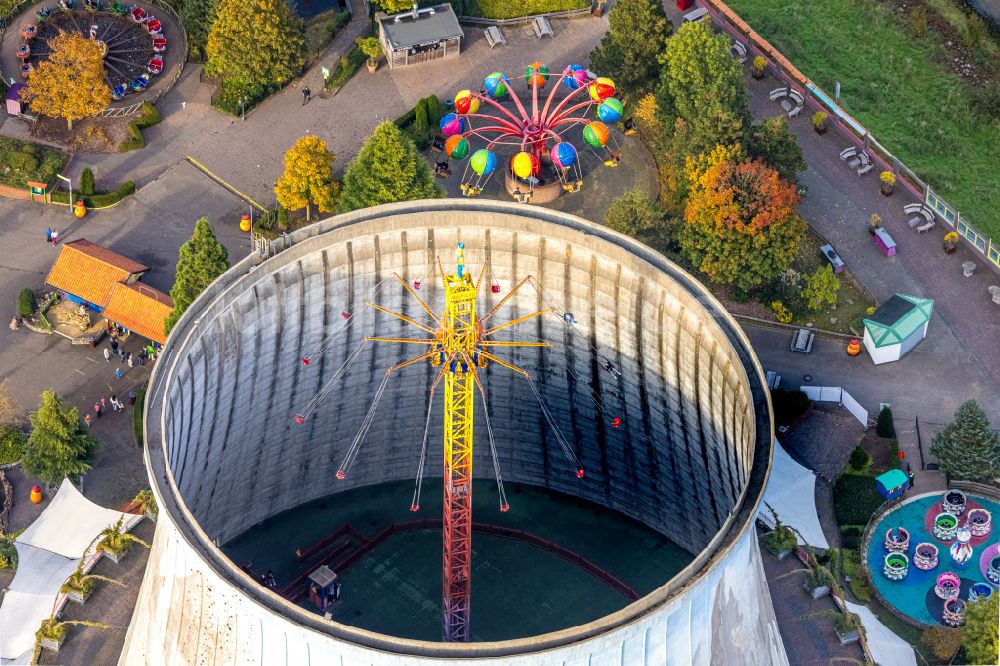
point(897, 540)
point(948, 585)
point(953, 502)
point(953, 614)
point(945, 526)
point(925, 556)
point(993, 570)
point(978, 590)
point(979, 522)
point(895, 566)
point(961, 550)
point(29, 30)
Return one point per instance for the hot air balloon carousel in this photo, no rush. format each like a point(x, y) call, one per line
point(535, 142)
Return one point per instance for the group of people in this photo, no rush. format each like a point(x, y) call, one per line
point(99, 407)
point(51, 236)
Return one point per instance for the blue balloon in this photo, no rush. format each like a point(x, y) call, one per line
point(574, 76)
point(563, 155)
point(610, 110)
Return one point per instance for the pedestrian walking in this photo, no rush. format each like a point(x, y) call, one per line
point(131, 397)
point(118, 373)
point(104, 404)
point(48, 234)
point(142, 358)
point(911, 479)
point(87, 420)
point(121, 354)
point(107, 355)
point(114, 344)
point(97, 409)
point(129, 361)
point(55, 237)
point(306, 95)
point(115, 405)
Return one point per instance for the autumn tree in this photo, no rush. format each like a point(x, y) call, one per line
point(201, 259)
point(388, 168)
point(980, 636)
point(308, 177)
point(702, 83)
point(820, 288)
point(198, 17)
point(771, 143)
point(638, 216)
point(394, 6)
point(59, 445)
point(968, 448)
point(740, 222)
point(70, 83)
point(256, 43)
point(630, 50)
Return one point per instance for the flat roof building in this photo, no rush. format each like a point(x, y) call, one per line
point(420, 35)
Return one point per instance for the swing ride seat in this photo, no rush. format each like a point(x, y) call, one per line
point(159, 44)
point(118, 9)
point(139, 15)
point(43, 14)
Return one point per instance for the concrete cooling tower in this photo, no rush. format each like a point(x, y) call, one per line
point(690, 459)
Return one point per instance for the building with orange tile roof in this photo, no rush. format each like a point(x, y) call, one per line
point(87, 273)
point(140, 309)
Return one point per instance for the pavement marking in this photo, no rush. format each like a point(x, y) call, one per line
point(201, 167)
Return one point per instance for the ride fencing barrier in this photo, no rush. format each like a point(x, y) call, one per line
point(727, 19)
point(841, 397)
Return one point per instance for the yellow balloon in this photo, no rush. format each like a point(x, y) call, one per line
point(522, 165)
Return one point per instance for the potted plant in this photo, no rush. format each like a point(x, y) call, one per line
point(819, 582)
point(847, 627)
point(757, 67)
point(52, 632)
point(888, 179)
point(146, 504)
point(819, 121)
point(874, 222)
point(372, 48)
point(79, 586)
point(114, 543)
point(950, 242)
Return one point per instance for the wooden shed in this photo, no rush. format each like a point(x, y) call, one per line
point(420, 35)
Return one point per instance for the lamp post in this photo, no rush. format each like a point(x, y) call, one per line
point(243, 112)
point(69, 182)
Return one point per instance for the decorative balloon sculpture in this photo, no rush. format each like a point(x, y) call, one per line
point(539, 132)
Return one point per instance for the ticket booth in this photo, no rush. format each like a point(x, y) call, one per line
point(324, 587)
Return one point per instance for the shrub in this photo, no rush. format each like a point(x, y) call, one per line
point(779, 539)
point(917, 22)
point(87, 181)
point(347, 67)
point(943, 642)
point(149, 117)
point(884, 427)
point(282, 218)
point(894, 451)
point(788, 405)
point(504, 9)
point(781, 313)
point(433, 110)
point(855, 499)
point(819, 119)
point(975, 30)
point(8, 553)
point(26, 303)
point(759, 63)
point(819, 577)
point(860, 584)
point(845, 623)
point(22, 162)
point(859, 459)
point(420, 123)
point(12, 441)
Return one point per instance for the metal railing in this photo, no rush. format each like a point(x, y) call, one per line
point(725, 17)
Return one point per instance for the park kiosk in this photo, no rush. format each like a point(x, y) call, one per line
point(896, 327)
point(892, 484)
point(420, 35)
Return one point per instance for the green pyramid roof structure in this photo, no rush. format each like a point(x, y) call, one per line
point(897, 319)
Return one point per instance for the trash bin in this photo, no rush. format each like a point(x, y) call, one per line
point(79, 209)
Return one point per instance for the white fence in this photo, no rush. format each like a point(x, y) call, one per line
point(840, 396)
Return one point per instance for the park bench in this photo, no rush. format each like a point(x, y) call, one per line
point(494, 36)
point(542, 27)
point(778, 93)
point(927, 226)
point(738, 51)
point(849, 152)
point(802, 341)
point(796, 95)
point(865, 169)
point(854, 162)
point(796, 111)
point(700, 14)
point(912, 208)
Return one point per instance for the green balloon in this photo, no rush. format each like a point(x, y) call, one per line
point(460, 150)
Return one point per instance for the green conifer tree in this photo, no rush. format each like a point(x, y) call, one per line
point(202, 259)
point(968, 448)
point(59, 445)
point(387, 169)
point(630, 50)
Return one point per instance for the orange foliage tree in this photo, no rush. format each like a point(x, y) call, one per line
point(70, 84)
point(740, 227)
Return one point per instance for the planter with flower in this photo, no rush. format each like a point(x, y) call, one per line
point(950, 242)
point(757, 67)
point(819, 121)
point(372, 48)
point(874, 222)
point(115, 544)
point(888, 179)
point(52, 633)
point(79, 586)
point(146, 504)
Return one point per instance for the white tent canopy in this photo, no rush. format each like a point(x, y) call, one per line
point(887, 648)
point(47, 553)
point(791, 492)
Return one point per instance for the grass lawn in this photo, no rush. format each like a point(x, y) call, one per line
point(503, 9)
point(21, 161)
point(892, 83)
